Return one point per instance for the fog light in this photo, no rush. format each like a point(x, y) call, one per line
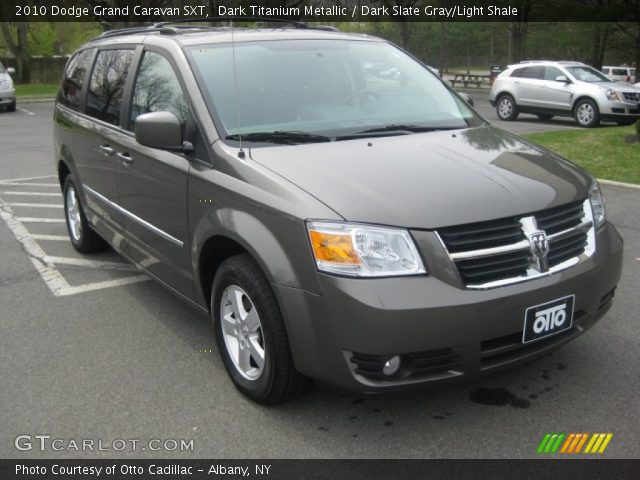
point(391, 366)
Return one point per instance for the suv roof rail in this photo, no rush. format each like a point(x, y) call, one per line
point(168, 28)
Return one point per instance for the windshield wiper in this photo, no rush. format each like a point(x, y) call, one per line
point(280, 136)
point(396, 129)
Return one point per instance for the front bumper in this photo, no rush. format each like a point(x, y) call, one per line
point(7, 96)
point(442, 331)
point(619, 110)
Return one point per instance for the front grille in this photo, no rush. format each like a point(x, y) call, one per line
point(496, 252)
point(632, 97)
point(431, 363)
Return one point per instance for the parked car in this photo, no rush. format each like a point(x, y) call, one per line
point(372, 235)
point(620, 74)
point(573, 89)
point(7, 89)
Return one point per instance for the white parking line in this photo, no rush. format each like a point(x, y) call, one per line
point(57, 238)
point(32, 194)
point(24, 179)
point(25, 111)
point(39, 220)
point(27, 184)
point(83, 262)
point(37, 205)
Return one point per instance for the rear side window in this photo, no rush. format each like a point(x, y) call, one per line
point(619, 71)
point(106, 87)
point(71, 88)
point(157, 89)
point(528, 72)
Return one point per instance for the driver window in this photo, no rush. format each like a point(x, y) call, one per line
point(157, 89)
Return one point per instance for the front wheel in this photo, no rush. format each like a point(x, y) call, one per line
point(506, 108)
point(250, 333)
point(586, 113)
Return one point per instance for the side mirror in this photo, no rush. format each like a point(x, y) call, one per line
point(563, 79)
point(11, 70)
point(160, 130)
point(466, 97)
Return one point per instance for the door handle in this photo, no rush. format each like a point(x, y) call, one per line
point(106, 149)
point(125, 158)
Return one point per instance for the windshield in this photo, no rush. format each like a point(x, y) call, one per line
point(324, 88)
point(2, 69)
point(587, 74)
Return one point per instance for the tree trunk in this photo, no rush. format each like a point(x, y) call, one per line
point(442, 48)
point(404, 34)
point(20, 50)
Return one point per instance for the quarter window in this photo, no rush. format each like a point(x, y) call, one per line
point(528, 72)
point(71, 88)
point(157, 89)
point(107, 84)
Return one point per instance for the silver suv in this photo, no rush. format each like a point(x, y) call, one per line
point(574, 89)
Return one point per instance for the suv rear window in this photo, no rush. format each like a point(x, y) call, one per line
point(71, 89)
point(106, 87)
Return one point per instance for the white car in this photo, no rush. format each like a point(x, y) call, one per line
point(620, 74)
point(7, 90)
point(547, 88)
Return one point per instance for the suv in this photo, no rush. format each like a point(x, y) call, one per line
point(366, 231)
point(620, 74)
point(7, 90)
point(563, 88)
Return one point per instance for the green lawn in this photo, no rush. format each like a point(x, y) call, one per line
point(602, 151)
point(36, 90)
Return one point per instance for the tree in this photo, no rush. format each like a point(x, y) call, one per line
point(16, 37)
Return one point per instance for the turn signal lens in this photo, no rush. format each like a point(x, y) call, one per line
point(363, 250)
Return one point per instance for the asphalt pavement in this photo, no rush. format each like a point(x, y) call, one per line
point(98, 352)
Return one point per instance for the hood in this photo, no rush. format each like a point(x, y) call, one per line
point(614, 85)
point(429, 180)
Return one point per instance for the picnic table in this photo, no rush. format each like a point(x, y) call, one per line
point(467, 79)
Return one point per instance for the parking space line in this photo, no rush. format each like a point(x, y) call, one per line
point(32, 194)
point(106, 284)
point(37, 205)
point(24, 179)
point(57, 238)
point(25, 111)
point(39, 220)
point(28, 184)
point(84, 262)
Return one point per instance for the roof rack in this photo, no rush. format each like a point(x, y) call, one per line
point(167, 28)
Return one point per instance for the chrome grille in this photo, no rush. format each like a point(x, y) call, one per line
point(632, 97)
point(499, 252)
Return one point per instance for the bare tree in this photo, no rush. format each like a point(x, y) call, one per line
point(19, 47)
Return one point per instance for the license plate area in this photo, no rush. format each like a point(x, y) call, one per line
point(542, 321)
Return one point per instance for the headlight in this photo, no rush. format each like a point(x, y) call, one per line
point(597, 204)
point(363, 250)
point(611, 94)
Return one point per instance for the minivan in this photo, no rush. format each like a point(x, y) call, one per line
point(367, 231)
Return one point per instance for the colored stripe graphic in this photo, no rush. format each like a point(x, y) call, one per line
point(572, 443)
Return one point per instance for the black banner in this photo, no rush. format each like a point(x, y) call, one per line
point(320, 469)
point(323, 11)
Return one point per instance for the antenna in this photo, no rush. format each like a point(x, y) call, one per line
point(235, 84)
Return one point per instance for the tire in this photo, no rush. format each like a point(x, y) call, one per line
point(586, 113)
point(83, 238)
point(626, 121)
point(544, 116)
point(11, 107)
point(240, 289)
point(506, 108)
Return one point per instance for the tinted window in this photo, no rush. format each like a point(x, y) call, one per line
point(107, 84)
point(619, 71)
point(71, 88)
point(551, 73)
point(157, 89)
point(528, 72)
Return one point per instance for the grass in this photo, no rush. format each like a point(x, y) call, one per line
point(36, 90)
point(601, 151)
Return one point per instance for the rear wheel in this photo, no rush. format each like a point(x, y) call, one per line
point(544, 116)
point(506, 108)
point(82, 236)
point(250, 333)
point(586, 113)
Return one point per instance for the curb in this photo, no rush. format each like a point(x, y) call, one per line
point(619, 184)
point(34, 99)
